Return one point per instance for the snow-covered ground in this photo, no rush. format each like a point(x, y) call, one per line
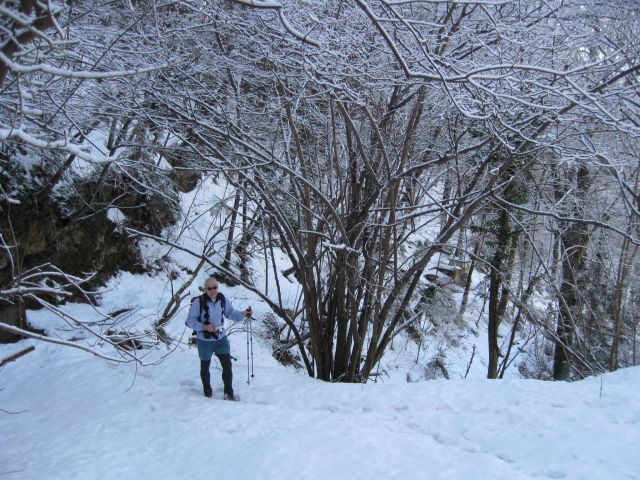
point(68, 415)
point(65, 414)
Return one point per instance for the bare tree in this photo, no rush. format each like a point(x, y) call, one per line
point(361, 139)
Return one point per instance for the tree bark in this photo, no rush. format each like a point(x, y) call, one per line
point(574, 242)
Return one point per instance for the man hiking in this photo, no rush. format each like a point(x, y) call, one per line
point(206, 318)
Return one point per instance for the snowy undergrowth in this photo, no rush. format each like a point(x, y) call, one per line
point(458, 346)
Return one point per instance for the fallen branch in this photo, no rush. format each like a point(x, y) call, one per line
point(56, 341)
point(16, 356)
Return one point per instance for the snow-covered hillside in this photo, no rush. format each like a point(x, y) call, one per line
point(66, 415)
point(411, 196)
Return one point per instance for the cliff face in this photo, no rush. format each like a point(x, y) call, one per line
point(38, 236)
point(65, 232)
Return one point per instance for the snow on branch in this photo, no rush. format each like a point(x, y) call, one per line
point(342, 246)
point(259, 3)
point(6, 198)
point(287, 25)
point(63, 72)
point(295, 33)
point(66, 343)
point(62, 145)
point(449, 2)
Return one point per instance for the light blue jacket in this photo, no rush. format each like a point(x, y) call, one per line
point(195, 320)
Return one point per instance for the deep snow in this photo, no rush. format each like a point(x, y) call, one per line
point(68, 415)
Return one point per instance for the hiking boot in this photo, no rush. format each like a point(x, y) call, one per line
point(229, 396)
point(208, 392)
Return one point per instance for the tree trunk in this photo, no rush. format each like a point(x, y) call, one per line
point(232, 227)
point(496, 292)
point(574, 241)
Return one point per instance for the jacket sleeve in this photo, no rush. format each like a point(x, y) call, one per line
point(193, 320)
point(231, 313)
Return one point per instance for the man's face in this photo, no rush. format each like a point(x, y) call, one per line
point(211, 287)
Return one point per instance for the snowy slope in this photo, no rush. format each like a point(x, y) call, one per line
point(67, 415)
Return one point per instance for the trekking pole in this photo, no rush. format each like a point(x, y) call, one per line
point(251, 337)
point(248, 328)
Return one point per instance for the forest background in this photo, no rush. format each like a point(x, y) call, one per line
point(395, 160)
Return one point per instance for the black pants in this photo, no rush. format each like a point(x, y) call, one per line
point(227, 375)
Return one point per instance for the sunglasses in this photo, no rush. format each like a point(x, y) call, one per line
point(212, 288)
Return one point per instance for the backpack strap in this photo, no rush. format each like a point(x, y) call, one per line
point(203, 307)
point(202, 300)
point(220, 297)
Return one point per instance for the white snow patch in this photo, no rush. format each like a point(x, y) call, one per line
point(116, 215)
point(68, 415)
